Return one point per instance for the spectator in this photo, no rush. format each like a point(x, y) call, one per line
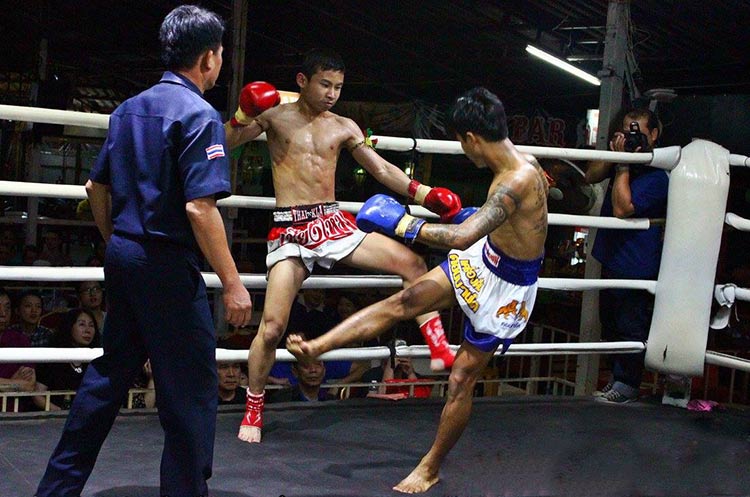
point(308, 317)
point(6, 256)
point(394, 371)
point(309, 375)
point(346, 305)
point(52, 250)
point(309, 314)
point(9, 243)
point(230, 391)
point(335, 372)
point(28, 256)
point(91, 298)
point(77, 328)
point(634, 191)
point(15, 377)
point(29, 313)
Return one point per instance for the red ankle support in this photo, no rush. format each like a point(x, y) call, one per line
point(254, 409)
point(434, 335)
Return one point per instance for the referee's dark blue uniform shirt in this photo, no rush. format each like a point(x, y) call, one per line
point(165, 146)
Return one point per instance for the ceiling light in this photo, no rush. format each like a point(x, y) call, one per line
point(563, 65)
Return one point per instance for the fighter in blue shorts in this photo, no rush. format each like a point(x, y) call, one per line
point(491, 271)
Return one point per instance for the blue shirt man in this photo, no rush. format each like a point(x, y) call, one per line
point(153, 193)
point(635, 253)
point(170, 125)
point(634, 191)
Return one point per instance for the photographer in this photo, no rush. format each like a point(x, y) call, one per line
point(634, 191)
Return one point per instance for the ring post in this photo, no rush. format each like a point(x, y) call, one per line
point(696, 206)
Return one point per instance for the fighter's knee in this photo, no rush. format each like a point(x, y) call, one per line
point(407, 298)
point(411, 266)
point(461, 383)
point(272, 331)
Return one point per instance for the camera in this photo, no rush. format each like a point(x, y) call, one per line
point(634, 139)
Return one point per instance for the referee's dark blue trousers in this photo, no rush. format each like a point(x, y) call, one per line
point(157, 308)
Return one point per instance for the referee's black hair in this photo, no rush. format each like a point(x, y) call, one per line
point(187, 32)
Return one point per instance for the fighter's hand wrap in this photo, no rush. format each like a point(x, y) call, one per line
point(255, 98)
point(384, 214)
point(464, 214)
point(439, 200)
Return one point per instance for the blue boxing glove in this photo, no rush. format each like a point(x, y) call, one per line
point(464, 214)
point(384, 214)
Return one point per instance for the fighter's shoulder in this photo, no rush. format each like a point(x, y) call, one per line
point(346, 123)
point(278, 111)
point(529, 174)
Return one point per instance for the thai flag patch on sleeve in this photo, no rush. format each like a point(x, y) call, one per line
point(215, 151)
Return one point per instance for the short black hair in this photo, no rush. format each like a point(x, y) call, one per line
point(319, 59)
point(652, 120)
point(481, 112)
point(187, 32)
point(29, 293)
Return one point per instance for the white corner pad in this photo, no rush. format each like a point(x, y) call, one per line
point(666, 157)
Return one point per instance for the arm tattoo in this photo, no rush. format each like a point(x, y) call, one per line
point(440, 235)
point(499, 207)
point(502, 203)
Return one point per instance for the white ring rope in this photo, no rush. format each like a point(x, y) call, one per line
point(737, 222)
point(663, 158)
point(54, 116)
point(739, 160)
point(258, 281)
point(20, 188)
point(51, 354)
point(727, 361)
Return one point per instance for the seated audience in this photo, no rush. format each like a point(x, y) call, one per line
point(335, 372)
point(29, 312)
point(91, 298)
point(309, 375)
point(29, 254)
point(52, 250)
point(398, 373)
point(9, 245)
point(230, 391)
point(77, 329)
point(14, 377)
point(309, 315)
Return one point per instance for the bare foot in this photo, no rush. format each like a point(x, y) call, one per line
point(249, 434)
point(419, 480)
point(299, 348)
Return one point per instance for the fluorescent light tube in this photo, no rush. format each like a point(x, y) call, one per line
point(563, 65)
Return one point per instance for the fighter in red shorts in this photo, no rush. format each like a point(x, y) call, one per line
point(304, 140)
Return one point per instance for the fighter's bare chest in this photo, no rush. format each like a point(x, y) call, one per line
point(312, 140)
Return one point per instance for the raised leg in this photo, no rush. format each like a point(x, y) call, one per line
point(431, 292)
point(378, 253)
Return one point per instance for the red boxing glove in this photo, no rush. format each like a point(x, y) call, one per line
point(439, 200)
point(255, 97)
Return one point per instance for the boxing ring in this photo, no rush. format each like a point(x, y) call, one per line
point(529, 446)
